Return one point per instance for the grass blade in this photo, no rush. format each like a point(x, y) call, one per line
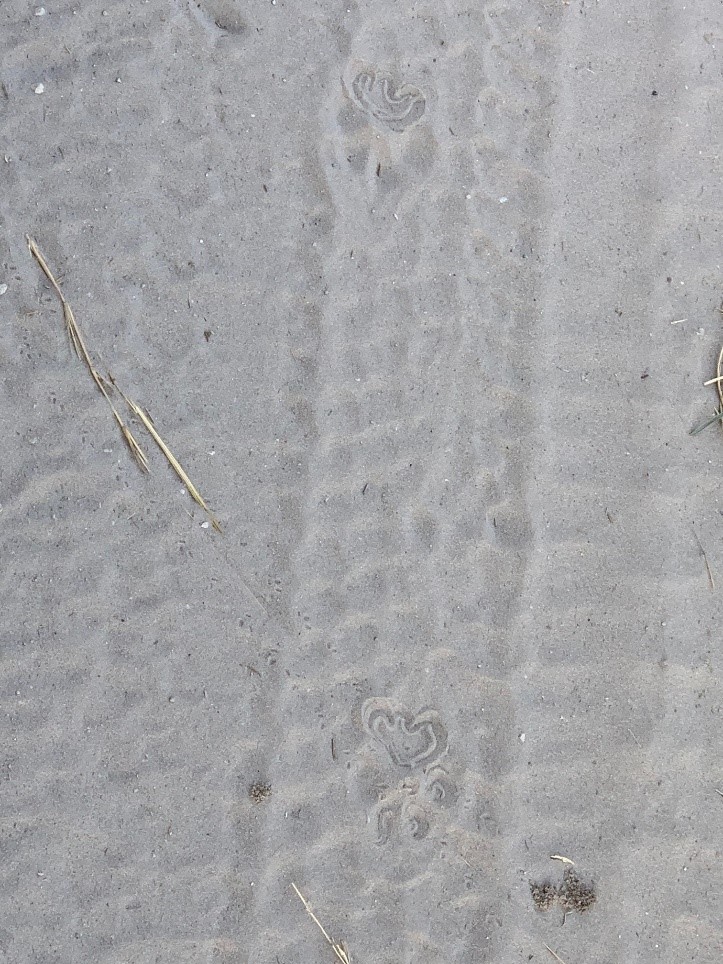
point(704, 425)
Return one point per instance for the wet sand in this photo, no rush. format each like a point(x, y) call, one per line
point(396, 284)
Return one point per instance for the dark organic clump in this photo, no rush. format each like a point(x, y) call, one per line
point(572, 895)
point(544, 895)
point(576, 895)
point(260, 792)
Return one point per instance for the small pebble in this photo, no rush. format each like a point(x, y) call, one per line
point(3, 289)
point(40, 11)
point(39, 88)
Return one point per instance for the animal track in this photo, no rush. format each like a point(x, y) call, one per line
point(405, 816)
point(440, 787)
point(416, 821)
point(386, 820)
point(409, 740)
point(396, 105)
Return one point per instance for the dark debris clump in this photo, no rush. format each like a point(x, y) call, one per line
point(260, 792)
point(572, 895)
point(576, 895)
point(544, 895)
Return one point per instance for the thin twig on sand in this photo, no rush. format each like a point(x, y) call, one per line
point(340, 950)
point(711, 580)
point(556, 956)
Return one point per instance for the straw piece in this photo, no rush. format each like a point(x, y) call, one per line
point(340, 949)
point(556, 956)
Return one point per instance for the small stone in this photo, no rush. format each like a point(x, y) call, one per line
point(3, 289)
point(40, 11)
point(39, 88)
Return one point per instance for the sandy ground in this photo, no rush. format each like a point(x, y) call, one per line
point(396, 283)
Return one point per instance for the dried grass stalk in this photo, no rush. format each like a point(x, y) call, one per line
point(173, 461)
point(81, 350)
point(339, 949)
point(79, 347)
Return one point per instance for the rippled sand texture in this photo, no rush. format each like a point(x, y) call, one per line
point(396, 283)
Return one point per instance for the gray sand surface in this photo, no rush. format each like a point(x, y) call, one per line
point(459, 619)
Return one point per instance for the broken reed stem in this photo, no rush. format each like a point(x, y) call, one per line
point(79, 346)
point(339, 949)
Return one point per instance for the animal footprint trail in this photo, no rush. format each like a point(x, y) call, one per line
point(401, 518)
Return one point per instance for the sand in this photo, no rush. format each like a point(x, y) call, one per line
point(397, 284)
